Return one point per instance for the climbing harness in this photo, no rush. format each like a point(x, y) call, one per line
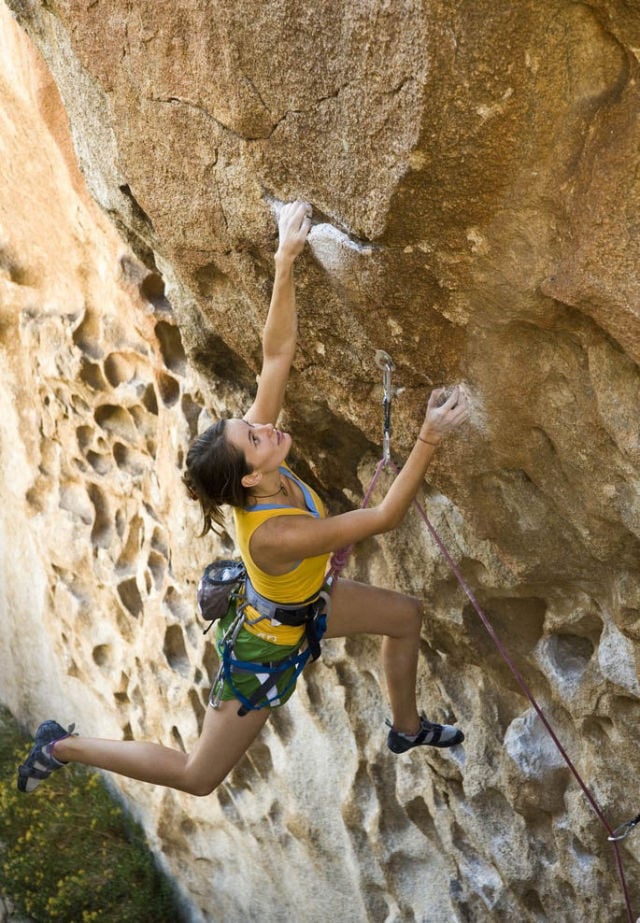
point(339, 561)
point(242, 597)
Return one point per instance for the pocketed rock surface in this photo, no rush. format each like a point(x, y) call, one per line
point(473, 170)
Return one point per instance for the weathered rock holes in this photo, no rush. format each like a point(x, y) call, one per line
point(191, 411)
point(74, 499)
point(103, 656)
point(72, 669)
point(119, 369)
point(131, 370)
point(197, 706)
point(129, 460)
point(127, 731)
point(176, 605)
point(79, 405)
point(91, 375)
point(101, 464)
point(102, 530)
point(175, 651)
point(130, 597)
point(137, 211)
point(117, 421)
point(169, 389)
point(132, 546)
point(210, 662)
point(62, 399)
point(37, 496)
point(137, 695)
point(18, 272)
point(569, 654)
point(84, 435)
point(159, 542)
point(176, 736)
point(144, 424)
point(171, 347)
point(88, 335)
point(152, 289)
point(149, 399)
point(81, 465)
point(157, 564)
point(531, 902)
point(121, 522)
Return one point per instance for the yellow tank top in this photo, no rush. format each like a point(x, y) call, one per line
point(299, 584)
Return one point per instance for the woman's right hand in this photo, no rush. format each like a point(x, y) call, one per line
point(442, 416)
point(293, 227)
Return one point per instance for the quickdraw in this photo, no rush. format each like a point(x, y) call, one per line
point(385, 362)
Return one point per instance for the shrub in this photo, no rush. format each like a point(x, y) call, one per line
point(68, 852)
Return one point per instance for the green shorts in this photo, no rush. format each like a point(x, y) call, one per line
point(253, 649)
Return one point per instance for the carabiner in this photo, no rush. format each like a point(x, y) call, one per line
point(623, 831)
point(385, 362)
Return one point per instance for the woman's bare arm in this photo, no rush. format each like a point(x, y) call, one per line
point(282, 541)
point(280, 330)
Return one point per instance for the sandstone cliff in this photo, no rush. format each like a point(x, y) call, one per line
point(473, 170)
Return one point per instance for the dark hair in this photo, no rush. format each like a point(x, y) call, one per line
point(214, 472)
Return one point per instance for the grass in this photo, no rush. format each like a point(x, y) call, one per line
point(69, 852)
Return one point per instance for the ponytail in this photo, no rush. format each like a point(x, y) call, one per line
point(213, 475)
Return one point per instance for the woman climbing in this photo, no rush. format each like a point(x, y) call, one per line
point(285, 539)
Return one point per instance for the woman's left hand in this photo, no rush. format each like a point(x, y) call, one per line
point(444, 414)
point(293, 227)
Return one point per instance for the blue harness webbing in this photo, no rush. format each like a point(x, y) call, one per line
point(315, 626)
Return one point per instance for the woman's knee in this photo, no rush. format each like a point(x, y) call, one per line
point(415, 614)
point(200, 787)
point(199, 780)
point(201, 791)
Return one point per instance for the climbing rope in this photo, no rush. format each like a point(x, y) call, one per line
point(338, 563)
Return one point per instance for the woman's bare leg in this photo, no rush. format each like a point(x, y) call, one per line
point(357, 608)
point(224, 739)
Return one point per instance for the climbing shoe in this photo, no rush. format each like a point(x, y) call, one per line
point(429, 735)
point(41, 762)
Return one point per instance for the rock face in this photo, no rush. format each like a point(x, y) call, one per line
point(473, 170)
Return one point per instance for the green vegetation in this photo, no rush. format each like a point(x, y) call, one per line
point(68, 852)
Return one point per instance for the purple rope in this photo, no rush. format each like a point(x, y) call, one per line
point(340, 558)
point(525, 688)
point(339, 561)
